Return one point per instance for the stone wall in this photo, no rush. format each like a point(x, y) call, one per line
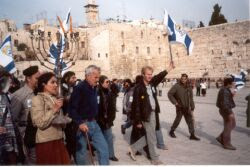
point(124, 49)
point(218, 50)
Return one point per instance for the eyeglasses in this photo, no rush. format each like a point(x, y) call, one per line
point(107, 81)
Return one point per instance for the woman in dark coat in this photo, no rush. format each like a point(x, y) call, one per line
point(107, 113)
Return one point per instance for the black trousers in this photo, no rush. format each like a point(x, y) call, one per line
point(198, 91)
point(188, 118)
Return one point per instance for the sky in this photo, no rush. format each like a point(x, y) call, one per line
point(28, 11)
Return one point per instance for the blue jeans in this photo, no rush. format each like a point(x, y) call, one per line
point(98, 141)
point(159, 138)
point(109, 139)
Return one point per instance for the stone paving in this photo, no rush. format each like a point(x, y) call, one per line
point(208, 125)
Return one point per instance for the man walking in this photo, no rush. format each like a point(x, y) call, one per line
point(83, 110)
point(225, 103)
point(21, 105)
point(145, 106)
point(181, 95)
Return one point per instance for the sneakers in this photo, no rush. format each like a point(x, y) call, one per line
point(171, 134)
point(193, 137)
point(156, 162)
point(131, 154)
point(123, 130)
point(113, 159)
point(229, 147)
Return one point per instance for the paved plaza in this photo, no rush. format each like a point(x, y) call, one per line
point(208, 125)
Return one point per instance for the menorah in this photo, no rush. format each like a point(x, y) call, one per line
point(70, 52)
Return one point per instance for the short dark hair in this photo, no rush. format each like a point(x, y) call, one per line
point(67, 76)
point(228, 81)
point(184, 75)
point(43, 79)
point(138, 79)
point(128, 81)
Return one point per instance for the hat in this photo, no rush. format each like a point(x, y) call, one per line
point(30, 71)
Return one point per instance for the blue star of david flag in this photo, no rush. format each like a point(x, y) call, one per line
point(240, 79)
point(6, 58)
point(54, 55)
point(177, 34)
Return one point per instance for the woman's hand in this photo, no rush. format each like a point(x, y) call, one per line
point(58, 104)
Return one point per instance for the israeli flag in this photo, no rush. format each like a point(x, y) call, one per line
point(177, 34)
point(240, 80)
point(54, 56)
point(66, 23)
point(6, 58)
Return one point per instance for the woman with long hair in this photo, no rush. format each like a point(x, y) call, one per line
point(107, 112)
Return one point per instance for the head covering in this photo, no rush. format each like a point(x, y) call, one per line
point(30, 71)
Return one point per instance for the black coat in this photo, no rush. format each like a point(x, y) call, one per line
point(141, 107)
point(107, 108)
point(225, 100)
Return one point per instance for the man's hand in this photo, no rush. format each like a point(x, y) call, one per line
point(2, 130)
point(83, 127)
point(139, 126)
point(171, 66)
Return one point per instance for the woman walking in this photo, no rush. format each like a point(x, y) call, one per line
point(50, 149)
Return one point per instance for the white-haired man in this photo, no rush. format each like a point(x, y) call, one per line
point(83, 109)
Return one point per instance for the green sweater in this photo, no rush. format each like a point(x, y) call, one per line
point(181, 95)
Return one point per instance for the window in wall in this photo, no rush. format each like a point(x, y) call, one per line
point(83, 44)
point(99, 55)
point(148, 50)
point(141, 34)
point(106, 54)
point(137, 50)
point(123, 48)
point(122, 34)
point(159, 50)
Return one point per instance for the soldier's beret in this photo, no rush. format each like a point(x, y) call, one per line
point(30, 71)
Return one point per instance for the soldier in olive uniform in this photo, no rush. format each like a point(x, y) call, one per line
point(181, 95)
point(21, 104)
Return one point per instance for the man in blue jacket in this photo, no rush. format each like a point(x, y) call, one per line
point(83, 109)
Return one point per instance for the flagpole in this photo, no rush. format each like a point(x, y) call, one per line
point(170, 51)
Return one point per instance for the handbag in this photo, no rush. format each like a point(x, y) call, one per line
point(61, 119)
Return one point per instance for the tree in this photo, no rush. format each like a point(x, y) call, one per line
point(217, 17)
point(201, 24)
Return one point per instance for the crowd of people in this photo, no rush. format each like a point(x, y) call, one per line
point(41, 124)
